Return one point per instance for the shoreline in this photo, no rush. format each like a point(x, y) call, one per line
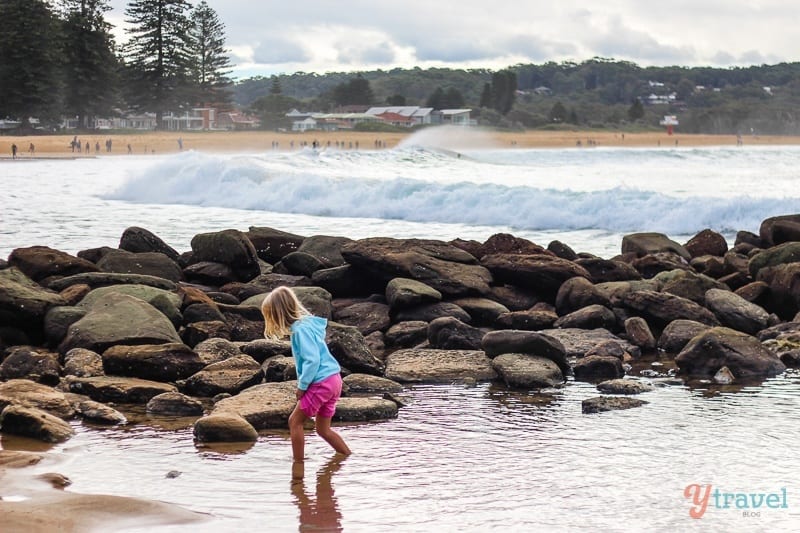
point(58, 146)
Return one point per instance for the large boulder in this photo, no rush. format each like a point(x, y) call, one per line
point(601, 404)
point(598, 367)
point(351, 409)
point(366, 317)
point(780, 229)
point(272, 245)
point(430, 312)
point(104, 279)
point(707, 242)
point(165, 301)
point(743, 354)
point(229, 376)
point(438, 366)
point(148, 263)
point(34, 423)
point(660, 308)
point(119, 319)
point(531, 320)
point(316, 253)
point(80, 362)
point(27, 393)
point(505, 243)
point(448, 333)
point(137, 240)
point(605, 270)
point(678, 333)
point(406, 334)
point(590, 317)
point(22, 301)
point(35, 364)
point(577, 293)
point(117, 389)
point(524, 371)
point(735, 312)
point(39, 262)
point(448, 269)
point(638, 332)
point(346, 281)
point(653, 264)
point(500, 342)
point(363, 383)
point(157, 362)
point(230, 247)
point(687, 284)
point(788, 252)
point(174, 404)
point(579, 342)
point(264, 406)
point(224, 427)
point(402, 293)
point(542, 274)
point(783, 297)
point(482, 311)
point(649, 243)
point(350, 348)
point(262, 349)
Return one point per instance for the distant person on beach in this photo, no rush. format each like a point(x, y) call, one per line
point(13, 151)
point(180, 144)
point(319, 380)
point(31, 149)
point(130, 150)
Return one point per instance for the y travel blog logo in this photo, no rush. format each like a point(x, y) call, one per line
point(750, 504)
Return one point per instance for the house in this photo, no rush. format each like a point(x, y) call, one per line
point(198, 118)
point(305, 124)
point(396, 119)
point(419, 115)
point(455, 117)
point(543, 91)
point(233, 120)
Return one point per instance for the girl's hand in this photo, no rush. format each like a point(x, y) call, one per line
point(299, 393)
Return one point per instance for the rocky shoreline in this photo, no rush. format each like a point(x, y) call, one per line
point(181, 333)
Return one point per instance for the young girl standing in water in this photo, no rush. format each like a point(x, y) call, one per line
point(319, 382)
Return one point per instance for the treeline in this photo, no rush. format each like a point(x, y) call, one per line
point(598, 93)
point(59, 59)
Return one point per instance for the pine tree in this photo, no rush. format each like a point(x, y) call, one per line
point(29, 71)
point(275, 87)
point(158, 62)
point(486, 96)
point(436, 100)
point(88, 55)
point(210, 64)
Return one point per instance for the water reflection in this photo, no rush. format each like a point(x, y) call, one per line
point(319, 512)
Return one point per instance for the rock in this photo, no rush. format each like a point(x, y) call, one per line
point(430, 312)
point(201, 312)
point(316, 253)
point(156, 362)
point(505, 243)
point(197, 332)
point(363, 409)
point(605, 270)
point(653, 264)
point(707, 242)
point(231, 375)
point(138, 240)
point(784, 290)
point(709, 265)
point(678, 333)
point(81, 362)
point(482, 311)
point(543, 274)
point(610, 348)
point(317, 300)
point(742, 354)
point(643, 244)
point(438, 366)
point(224, 427)
point(35, 364)
point(344, 281)
point(57, 321)
point(104, 279)
point(272, 245)
point(279, 368)
point(638, 332)
point(562, 250)
point(577, 293)
point(22, 301)
point(165, 301)
point(788, 252)
point(210, 273)
point(524, 371)
point(600, 404)
point(661, 308)
point(174, 404)
point(113, 389)
point(590, 317)
point(75, 293)
point(723, 376)
point(615, 291)
point(407, 334)
point(263, 349)
point(366, 317)
point(496, 343)
point(349, 347)
point(444, 267)
point(688, 285)
point(264, 406)
point(99, 413)
point(448, 333)
point(623, 386)
point(527, 320)
point(367, 383)
point(755, 292)
point(26, 393)
point(40, 262)
point(780, 229)
point(147, 263)
point(119, 319)
point(578, 342)
point(735, 312)
point(230, 247)
point(34, 423)
point(593, 367)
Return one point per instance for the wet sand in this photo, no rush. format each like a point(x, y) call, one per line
point(52, 146)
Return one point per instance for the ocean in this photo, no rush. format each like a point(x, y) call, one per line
point(455, 459)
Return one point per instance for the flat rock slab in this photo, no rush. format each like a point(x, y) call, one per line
point(367, 383)
point(363, 409)
point(623, 386)
point(27, 393)
point(34, 423)
point(117, 389)
point(438, 366)
point(600, 404)
point(577, 342)
point(525, 371)
point(264, 406)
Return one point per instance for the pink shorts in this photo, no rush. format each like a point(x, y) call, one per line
point(320, 398)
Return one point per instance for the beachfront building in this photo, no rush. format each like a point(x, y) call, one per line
point(455, 117)
point(398, 116)
point(417, 115)
point(198, 118)
point(233, 120)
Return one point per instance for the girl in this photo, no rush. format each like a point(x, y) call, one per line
point(319, 382)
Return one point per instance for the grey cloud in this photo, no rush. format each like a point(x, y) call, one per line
point(537, 49)
point(277, 50)
point(381, 53)
point(621, 41)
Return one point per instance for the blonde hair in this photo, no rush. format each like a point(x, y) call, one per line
point(281, 308)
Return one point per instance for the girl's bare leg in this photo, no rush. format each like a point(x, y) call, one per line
point(296, 421)
point(325, 431)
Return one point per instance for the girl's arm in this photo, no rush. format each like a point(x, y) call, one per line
point(307, 350)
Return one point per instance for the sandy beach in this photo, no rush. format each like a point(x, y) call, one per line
point(248, 141)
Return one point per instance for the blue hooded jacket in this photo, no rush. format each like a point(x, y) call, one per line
point(314, 360)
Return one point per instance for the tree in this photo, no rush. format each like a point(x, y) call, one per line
point(636, 111)
point(209, 63)
point(272, 108)
point(90, 88)
point(436, 100)
point(486, 96)
point(355, 92)
point(275, 87)
point(157, 55)
point(453, 99)
point(396, 100)
point(29, 72)
point(558, 113)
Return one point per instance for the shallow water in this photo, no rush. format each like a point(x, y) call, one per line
point(475, 459)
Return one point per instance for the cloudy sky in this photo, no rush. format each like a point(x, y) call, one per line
point(273, 37)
